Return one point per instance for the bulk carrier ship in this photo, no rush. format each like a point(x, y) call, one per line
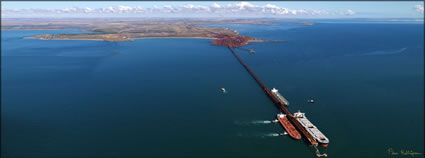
point(288, 126)
point(311, 129)
point(279, 97)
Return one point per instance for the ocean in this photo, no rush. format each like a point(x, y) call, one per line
point(161, 97)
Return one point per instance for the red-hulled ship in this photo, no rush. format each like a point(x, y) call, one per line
point(288, 126)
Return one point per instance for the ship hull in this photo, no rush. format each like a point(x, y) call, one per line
point(280, 98)
point(311, 129)
point(288, 127)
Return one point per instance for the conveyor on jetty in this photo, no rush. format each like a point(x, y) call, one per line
point(279, 104)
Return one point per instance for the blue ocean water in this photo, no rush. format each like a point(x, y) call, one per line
point(162, 98)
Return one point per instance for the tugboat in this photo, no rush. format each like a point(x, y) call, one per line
point(284, 133)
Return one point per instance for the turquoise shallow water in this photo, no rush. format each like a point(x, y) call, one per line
point(162, 98)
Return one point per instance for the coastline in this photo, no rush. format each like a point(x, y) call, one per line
point(177, 37)
point(129, 39)
point(29, 29)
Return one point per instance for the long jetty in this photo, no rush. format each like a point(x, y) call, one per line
point(276, 101)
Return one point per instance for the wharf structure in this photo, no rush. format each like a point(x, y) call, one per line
point(280, 103)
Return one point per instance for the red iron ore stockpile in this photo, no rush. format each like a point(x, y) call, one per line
point(232, 41)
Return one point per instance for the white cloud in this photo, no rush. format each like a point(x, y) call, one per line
point(215, 5)
point(419, 8)
point(244, 5)
point(350, 12)
point(234, 9)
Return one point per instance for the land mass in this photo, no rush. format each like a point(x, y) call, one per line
point(129, 29)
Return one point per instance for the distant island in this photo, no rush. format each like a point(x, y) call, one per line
point(116, 30)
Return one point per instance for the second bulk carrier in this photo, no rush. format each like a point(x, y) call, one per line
point(311, 129)
point(279, 97)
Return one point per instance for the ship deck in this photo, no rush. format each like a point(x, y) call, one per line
point(281, 98)
point(288, 126)
point(319, 136)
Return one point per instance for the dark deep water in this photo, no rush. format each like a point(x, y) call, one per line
point(162, 98)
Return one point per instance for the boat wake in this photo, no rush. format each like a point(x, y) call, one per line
point(272, 134)
point(254, 122)
point(381, 52)
point(261, 122)
point(259, 135)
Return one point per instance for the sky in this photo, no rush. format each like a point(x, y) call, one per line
point(327, 9)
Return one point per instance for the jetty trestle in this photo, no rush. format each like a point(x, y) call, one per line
point(282, 107)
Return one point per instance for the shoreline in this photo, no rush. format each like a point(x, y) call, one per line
point(133, 39)
point(129, 39)
point(30, 29)
point(177, 37)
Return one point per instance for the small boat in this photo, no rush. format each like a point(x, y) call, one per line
point(115, 53)
point(310, 101)
point(320, 155)
point(284, 133)
point(223, 90)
